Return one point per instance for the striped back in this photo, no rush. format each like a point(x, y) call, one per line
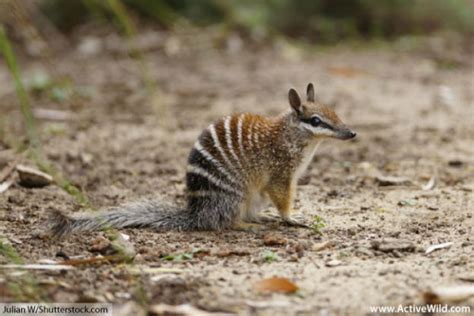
point(224, 156)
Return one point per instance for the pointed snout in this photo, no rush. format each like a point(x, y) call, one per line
point(345, 134)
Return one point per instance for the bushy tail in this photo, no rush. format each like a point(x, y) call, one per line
point(153, 214)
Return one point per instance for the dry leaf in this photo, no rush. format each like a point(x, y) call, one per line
point(333, 263)
point(391, 244)
point(430, 185)
point(389, 180)
point(94, 260)
point(233, 252)
point(5, 173)
point(182, 310)
point(449, 294)
point(37, 266)
point(436, 247)
point(276, 285)
point(152, 270)
point(5, 185)
point(322, 245)
point(467, 277)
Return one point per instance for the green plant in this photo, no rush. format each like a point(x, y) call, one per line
point(270, 256)
point(318, 224)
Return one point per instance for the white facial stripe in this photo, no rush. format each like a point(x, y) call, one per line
point(228, 137)
point(218, 146)
point(217, 182)
point(214, 161)
point(316, 130)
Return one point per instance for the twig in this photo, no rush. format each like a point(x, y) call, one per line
point(7, 171)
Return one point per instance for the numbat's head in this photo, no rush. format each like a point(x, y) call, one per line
point(315, 119)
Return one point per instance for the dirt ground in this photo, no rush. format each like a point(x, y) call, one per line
point(414, 115)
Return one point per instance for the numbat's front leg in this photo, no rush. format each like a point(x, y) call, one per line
point(282, 194)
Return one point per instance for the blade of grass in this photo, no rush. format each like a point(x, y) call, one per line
point(120, 12)
point(12, 65)
point(25, 287)
point(35, 149)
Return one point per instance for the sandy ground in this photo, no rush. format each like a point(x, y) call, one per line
point(414, 119)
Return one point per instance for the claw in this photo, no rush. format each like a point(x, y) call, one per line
point(269, 218)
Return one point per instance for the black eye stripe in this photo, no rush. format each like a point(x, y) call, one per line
point(321, 123)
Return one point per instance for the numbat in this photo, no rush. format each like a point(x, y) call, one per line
point(236, 166)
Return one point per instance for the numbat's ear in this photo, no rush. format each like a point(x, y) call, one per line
point(295, 101)
point(310, 92)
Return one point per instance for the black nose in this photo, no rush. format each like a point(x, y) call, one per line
point(353, 134)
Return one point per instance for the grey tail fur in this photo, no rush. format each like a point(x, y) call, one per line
point(153, 214)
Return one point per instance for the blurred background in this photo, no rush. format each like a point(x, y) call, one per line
point(312, 22)
point(70, 66)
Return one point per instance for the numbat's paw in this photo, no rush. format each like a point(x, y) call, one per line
point(294, 222)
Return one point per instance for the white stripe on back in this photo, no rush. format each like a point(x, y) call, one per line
point(249, 135)
point(240, 122)
point(214, 161)
point(228, 137)
point(217, 144)
point(203, 173)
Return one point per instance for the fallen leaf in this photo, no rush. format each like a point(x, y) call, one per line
point(436, 247)
point(389, 245)
point(37, 266)
point(448, 294)
point(152, 270)
point(322, 245)
point(94, 260)
point(333, 263)
point(430, 185)
point(182, 310)
point(5, 185)
point(233, 252)
point(467, 277)
point(9, 169)
point(390, 180)
point(276, 285)
point(407, 202)
point(267, 304)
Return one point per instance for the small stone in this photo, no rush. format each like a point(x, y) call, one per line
point(333, 263)
point(455, 163)
point(100, 245)
point(33, 178)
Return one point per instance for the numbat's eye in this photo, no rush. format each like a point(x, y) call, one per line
point(315, 121)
